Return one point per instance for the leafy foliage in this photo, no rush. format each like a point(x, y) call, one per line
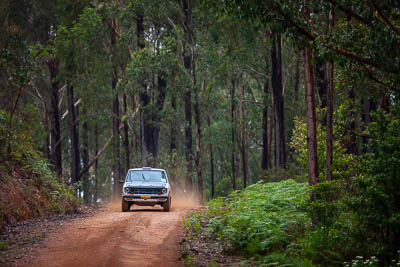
point(263, 218)
point(344, 165)
point(28, 184)
point(377, 198)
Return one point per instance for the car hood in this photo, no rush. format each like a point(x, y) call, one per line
point(145, 184)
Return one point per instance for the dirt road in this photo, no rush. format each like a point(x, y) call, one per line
point(145, 236)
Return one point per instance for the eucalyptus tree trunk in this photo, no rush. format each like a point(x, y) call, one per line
point(159, 105)
point(173, 144)
point(144, 97)
point(265, 159)
point(55, 140)
point(85, 158)
point(74, 139)
point(73, 120)
point(243, 140)
point(126, 135)
point(277, 89)
point(187, 61)
point(311, 120)
point(211, 157)
point(116, 116)
point(233, 126)
point(297, 77)
point(96, 163)
point(322, 82)
point(197, 119)
point(135, 142)
point(310, 113)
point(329, 109)
point(271, 130)
point(46, 147)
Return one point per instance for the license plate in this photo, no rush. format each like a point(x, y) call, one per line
point(145, 197)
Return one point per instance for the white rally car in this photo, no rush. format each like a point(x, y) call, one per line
point(146, 187)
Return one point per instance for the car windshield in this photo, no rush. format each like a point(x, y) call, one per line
point(146, 175)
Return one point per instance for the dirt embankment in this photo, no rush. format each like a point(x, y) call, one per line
point(145, 236)
point(26, 195)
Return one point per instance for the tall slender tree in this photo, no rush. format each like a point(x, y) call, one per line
point(187, 61)
point(85, 157)
point(329, 107)
point(277, 89)
point(233, 125)
point(243, 138)
point(115, 110)
point(55, 142)
point(126, 134)
point(265, 160)
point(310, 113)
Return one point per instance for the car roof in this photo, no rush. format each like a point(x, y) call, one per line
point(146, 169)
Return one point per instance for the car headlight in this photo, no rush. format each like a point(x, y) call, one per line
point(164, 190)
point(126, 190)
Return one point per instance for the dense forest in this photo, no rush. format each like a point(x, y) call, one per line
point(221, 94)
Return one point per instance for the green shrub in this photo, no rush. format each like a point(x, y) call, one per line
point(260, 219)
point(344, 165)
point(32, 175)
point(376, 201)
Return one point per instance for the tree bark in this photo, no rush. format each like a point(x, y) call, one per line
point(55, 141)
point(126, 136)
point(46, 148)
point(297, 79)
point(311, 120)
point(233, 125)
point(135, 142)
point(197, 120)
point(173, 133)
point(85, 158)
point(265, 159)
point(329, 109)
point(187, 61)
point(271, 130)
point(159, 104)
point(96, 163)
point(277, 89)
point(144, 98)
point(243, 139)
point(116, 118)
point(74, 140)
point(322, 83)
point(142, 139)
point(310, 103)
point(211, 157)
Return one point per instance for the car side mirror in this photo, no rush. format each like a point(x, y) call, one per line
point(121, 181)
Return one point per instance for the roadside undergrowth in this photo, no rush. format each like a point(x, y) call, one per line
point(26, 193)
point(29, 188)
point(257, 226)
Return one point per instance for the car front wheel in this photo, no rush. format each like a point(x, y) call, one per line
point(167, 205)
point(125, 206)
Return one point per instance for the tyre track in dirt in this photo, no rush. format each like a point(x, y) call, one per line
point(140, 237)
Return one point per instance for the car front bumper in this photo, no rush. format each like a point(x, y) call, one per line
point(145, 198)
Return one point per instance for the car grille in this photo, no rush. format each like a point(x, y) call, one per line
point(142, 190)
